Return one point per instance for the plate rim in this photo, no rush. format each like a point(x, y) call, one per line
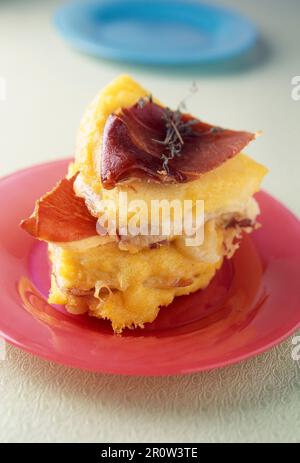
point(172, 371)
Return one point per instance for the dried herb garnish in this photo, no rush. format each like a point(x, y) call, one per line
point(176, 131)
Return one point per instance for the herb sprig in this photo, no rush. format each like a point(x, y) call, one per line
point(177, 129)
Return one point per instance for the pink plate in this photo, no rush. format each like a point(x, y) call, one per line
point(252, 304)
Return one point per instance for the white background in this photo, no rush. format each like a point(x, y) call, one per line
point(48, 87)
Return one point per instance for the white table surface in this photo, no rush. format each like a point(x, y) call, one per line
point(48, 86)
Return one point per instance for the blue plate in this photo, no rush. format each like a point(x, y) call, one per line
point(155, 31)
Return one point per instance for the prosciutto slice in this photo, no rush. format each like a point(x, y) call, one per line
point(133, 147)
point(61, 216)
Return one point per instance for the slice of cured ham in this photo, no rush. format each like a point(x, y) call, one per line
point(61, 216)
point(133, 146)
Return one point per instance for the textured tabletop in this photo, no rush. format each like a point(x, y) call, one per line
point(255, 401)
point(47, 87)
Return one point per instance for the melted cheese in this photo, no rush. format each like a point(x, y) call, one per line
point(226, 189)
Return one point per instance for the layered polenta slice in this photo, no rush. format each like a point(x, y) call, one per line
point(130, 143)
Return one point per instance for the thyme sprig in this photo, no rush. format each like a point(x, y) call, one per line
point(176, 131)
